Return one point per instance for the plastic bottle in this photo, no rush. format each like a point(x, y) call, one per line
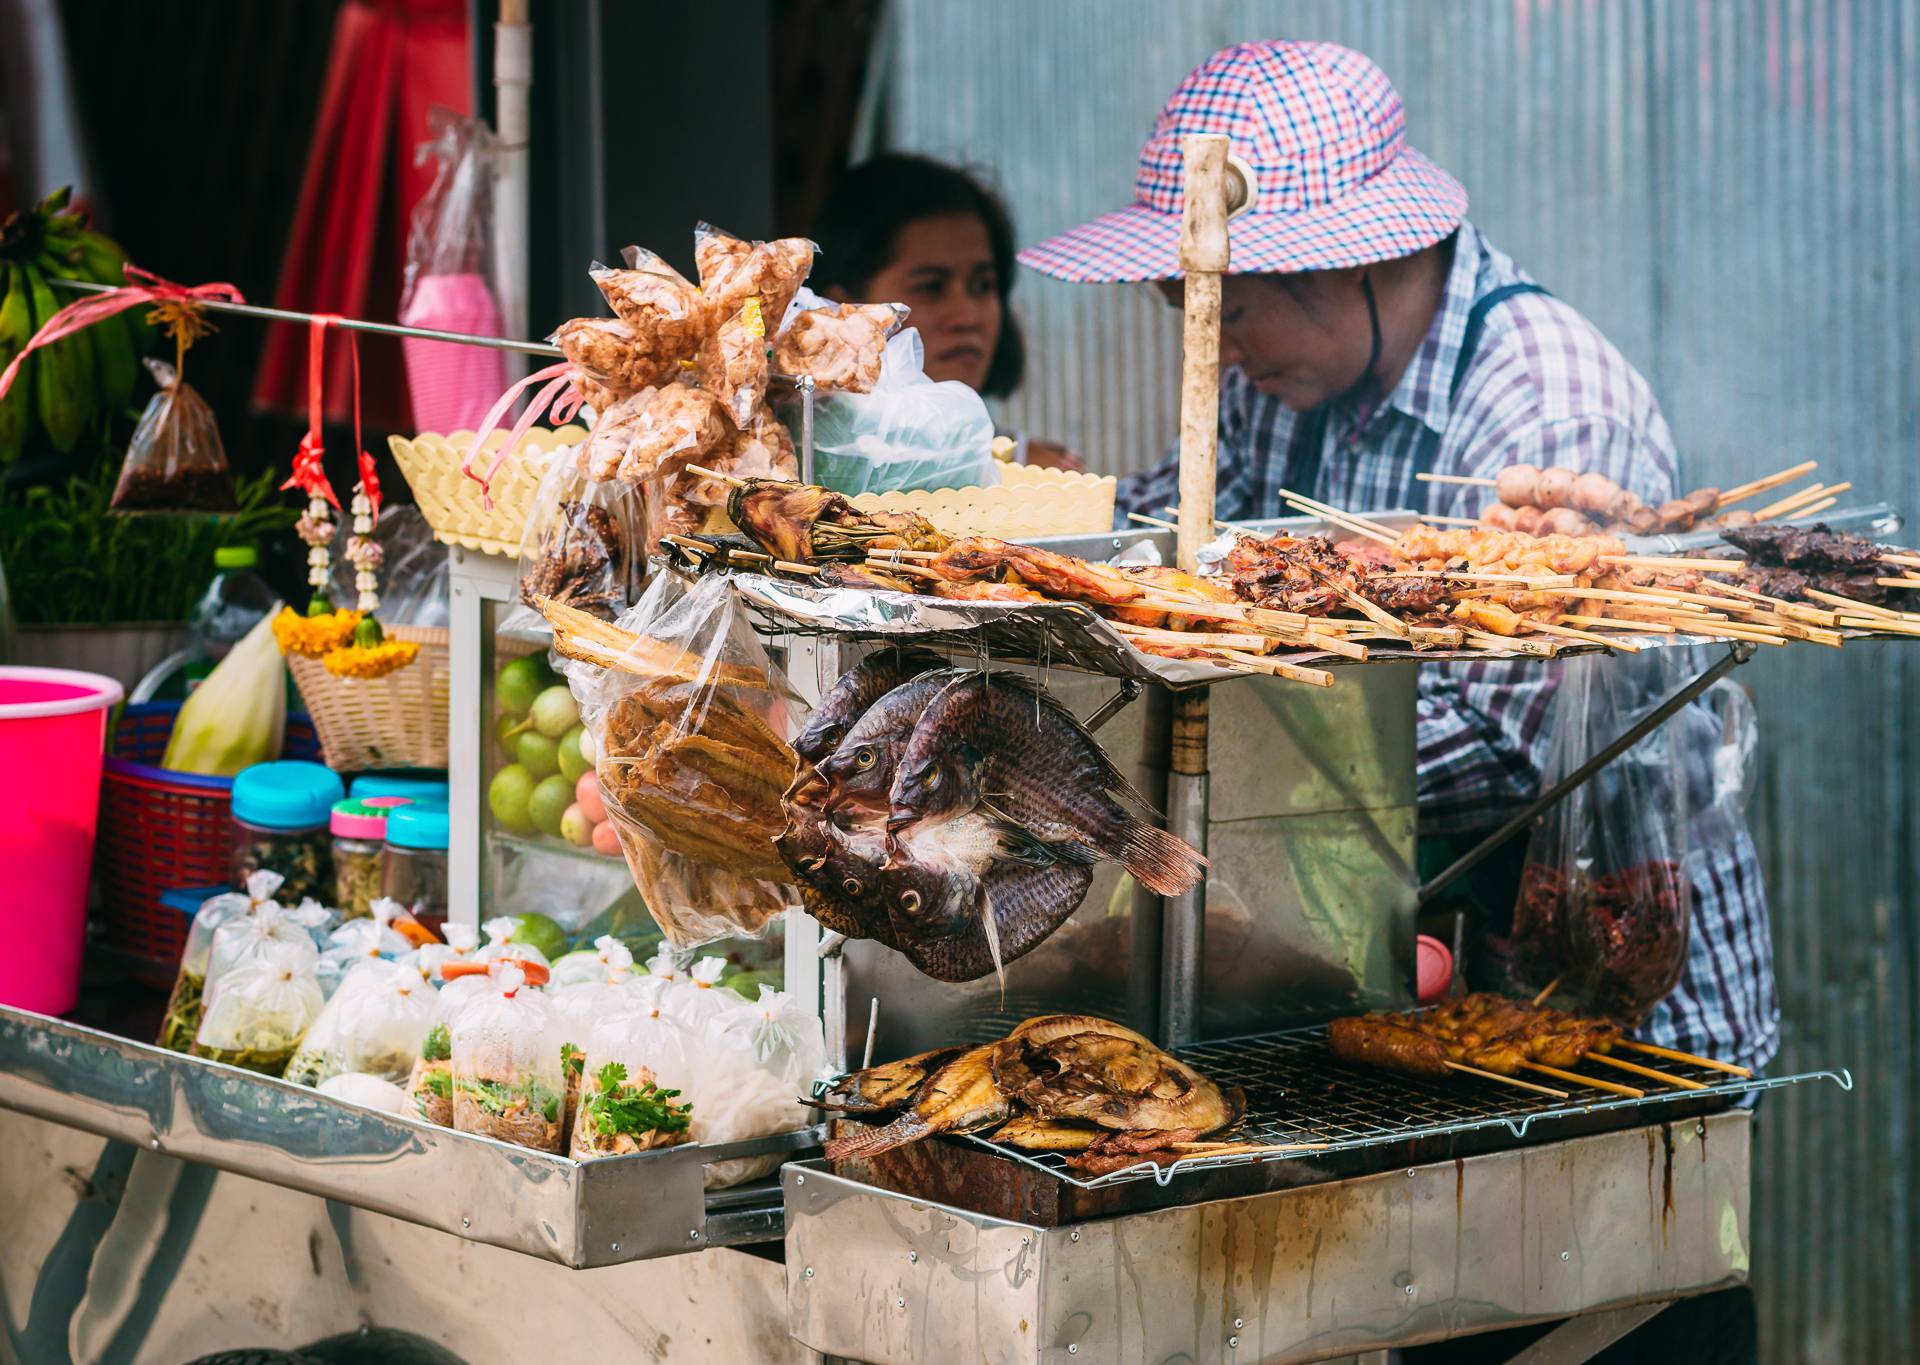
point(232, 605)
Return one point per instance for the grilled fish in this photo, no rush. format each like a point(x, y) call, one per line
point(961, 1097)
point(859, 771)
point(888, 1086)
point(1003, 740)
point(1031, 1133)
point(1117, 1082)
point(841, 865)
point(1023, 904)
point(859, 688)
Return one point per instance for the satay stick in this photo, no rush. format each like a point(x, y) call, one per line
point(1798, 610)
point(894, 566)
point(1801, 514)
point(1909, 561)
point(1562, 580)
point(1576, 1079)
point(1908, 582)
point(731, 480)
point(1573, 633)
point(1854, 605)
point(1486, 639)
point(1822, 495)
point(1318, 677)
point(1677, 563)
point(1681, 1081)
point(1210, 639)
point(1618, 623)
point(1747, 490)
point(1508, 1080)
point(1884, 624)
point(1371, 529)
point(1674, 1055)
point(1435, 519)
point(1721, 630)
point(805, 570)
point(901, 552)
point(1546, 991)
point(1379, 615)
point(1469, 479)
point(1242, 1148)
point(1159, 523)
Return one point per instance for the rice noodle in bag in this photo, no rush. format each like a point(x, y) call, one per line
point(1605, 897)
point(373, 1025)
point(700, 999)
point(582, 541)
point(622, 1107)
point(507, 1079)
point(608, 963)
point(185, 1005)
point(245, 937)
point(732, 270)
point(667, 317)
point(755, 1063)
point(261, 1006)
point(691, 759)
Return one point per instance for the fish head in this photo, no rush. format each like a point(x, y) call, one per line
point(934, 783)
point(804, 845)
point(821, 736)
point(930, 900)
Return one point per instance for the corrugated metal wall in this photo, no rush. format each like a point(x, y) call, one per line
point(1728, 190)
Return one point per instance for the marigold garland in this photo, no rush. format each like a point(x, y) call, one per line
point(314, 637)
point(371, 661)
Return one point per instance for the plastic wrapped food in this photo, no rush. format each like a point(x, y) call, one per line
point(692, 764)
point(244, 937)
point(503, 940)
point(622, 1107)
point(175, 462)
point(371, 937)
point(608, 961)
point(908, 433)
point(732, 270)
point(700, 999)
point(430, 959)
point(581, 544)
point(507, 1077)
point(733, 364)
point(688, 504)
point(260, 1008)
point(374, 1024)
point(839, 345)
point(680, 425)
point(756, 1060)
point(369, 1092)
point(188, 1000)
point(666, 315)
point(607, 359)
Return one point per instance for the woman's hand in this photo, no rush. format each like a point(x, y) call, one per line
point(1052, 455)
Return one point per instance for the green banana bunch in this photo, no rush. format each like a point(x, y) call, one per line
point(69, 389)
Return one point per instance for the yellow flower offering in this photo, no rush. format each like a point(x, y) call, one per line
point(313, 637)
point(370, 661)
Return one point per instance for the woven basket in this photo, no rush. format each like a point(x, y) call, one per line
point(399, 721)
point(1029, 501)
point(451, 502)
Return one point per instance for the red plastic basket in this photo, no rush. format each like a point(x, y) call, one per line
point(160, 830)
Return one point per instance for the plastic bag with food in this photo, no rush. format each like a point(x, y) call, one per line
point(504, 940)
point(755, 1063)
point(244, 937)
point(667, 316)
point(369, 938)
point(908, 433)
point(261, 1007)
point(373, 1025)
point(692, 504)
point(840, 346)
point(582, 541)
point(412, 567)
point(507, 1077)
point(678, 425)
point(188, 1001)
point(699, 999)
point(1605, 897)
point(733, 364)
point(430, 1082)
point(430, 959)
point(175, 462)
point(732, 270)
point(623, 1109)
point(609, 961)
point(687, 731)
point(608, 362)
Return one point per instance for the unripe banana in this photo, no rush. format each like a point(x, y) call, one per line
point(16, 325)
point(63, 380)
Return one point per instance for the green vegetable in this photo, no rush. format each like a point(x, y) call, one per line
point(573, 1061)
point(616, 1107)
point(437, 1046)
point(497, 1097)
point(182, 1023)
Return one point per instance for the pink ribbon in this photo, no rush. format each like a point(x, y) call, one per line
point(145, 288)
point(555, 391)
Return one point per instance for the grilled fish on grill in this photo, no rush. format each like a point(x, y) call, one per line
point(960, 1097)
point(1120, 1083)
point(1031, 1133)
point(887, 1086)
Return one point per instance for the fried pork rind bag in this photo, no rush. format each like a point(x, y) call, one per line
point(733, 365)
point(1605, 898)
point(840, 346)
point(507, 1079)
point(667, 316)
point(260, 1008)
point(690, 504)
point(582, 541)
point(692, 762)
point(608, 363)
point(188, 1001)
point(733, 270)
point(176, 461)
point(373, 1025)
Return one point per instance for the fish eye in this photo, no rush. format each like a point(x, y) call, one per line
point(851, 886)
point(864, 757)
point(909, 900)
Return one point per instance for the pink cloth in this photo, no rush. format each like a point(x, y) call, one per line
point(453, 385)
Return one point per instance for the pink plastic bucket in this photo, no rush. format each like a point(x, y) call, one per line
point(53, 728)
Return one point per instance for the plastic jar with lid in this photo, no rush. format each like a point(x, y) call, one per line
point(424, 785)
point(414, 867)
point(359, 850)
point(281, 815)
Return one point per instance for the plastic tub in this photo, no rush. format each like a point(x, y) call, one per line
point(414, 865)
point(281, 812)
point(53, 730)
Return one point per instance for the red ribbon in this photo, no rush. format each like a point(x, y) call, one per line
point(309, 469)
point(558, 386)
point(145, 288)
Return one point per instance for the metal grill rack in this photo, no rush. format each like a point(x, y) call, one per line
point(1297, 1092)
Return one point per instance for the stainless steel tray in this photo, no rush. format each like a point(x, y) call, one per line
point(580, 1214)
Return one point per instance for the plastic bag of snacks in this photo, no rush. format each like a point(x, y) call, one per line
point(691, 761)
point(507, 1077)
point(244, 937)
point(1605, 898)
point(675, 425)
point(908, 433)
point(430, 959)
point(582, 541)
point(374, 1025)
point(733, 364)
point(755, 1063)
point(188, 1001)
point(175, 462)
point(666, 315)
point(732, 270)
point(430, 1082)
point(841, 346)
point(607, 361)
point(622, 1107)
point(260, 1008)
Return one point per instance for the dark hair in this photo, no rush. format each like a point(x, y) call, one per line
point(860, 222)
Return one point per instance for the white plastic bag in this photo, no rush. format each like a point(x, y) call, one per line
point(755, 1063)
point(908, 433)
point(623, 1108)
point(260, 1008)
point(188, 1001)
point(501, 942)
point(507, 1077)
point(360, 940)
point(374, 1024)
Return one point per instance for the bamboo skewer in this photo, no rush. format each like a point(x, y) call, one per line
point(1747, 490)
point(1681, 1081)
point(1470, 480)
point(1675, 1055)
point(731, 480)
point(1372, 529)
point(1898, 582)
point(1803, 513)
point(1853, 605)
point(1616, 623)
point(1572, 633)
point(1797, 503)
point(1676, 563)
point(1908, 561)
point(1197, 638)
point(1508, 1080)
point(1575, 1078)
point(1317, 677)
point(1486, 639)
point(1546, 991)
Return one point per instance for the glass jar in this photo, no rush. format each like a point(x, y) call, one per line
point(359, 850)
point(281, 814)
point(413, 869)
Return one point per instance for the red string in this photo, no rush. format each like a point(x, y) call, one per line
point(309, 472)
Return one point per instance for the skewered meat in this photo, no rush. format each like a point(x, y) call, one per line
point(1515, 485)
point(1554, 488)
point(837, 574)
point(1595, 494)
point(1486, 1031)
point(1818, 546)
point(1064, 576)
point(1372, 1041)
point(799, 521)
point(988, 592)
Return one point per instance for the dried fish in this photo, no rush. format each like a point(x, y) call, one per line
point(1031, 1133)
point(887, 1086)
point(961, 1097)
point(1120, 1083)
point(858, 689)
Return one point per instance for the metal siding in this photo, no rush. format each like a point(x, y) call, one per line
point(1725, 189)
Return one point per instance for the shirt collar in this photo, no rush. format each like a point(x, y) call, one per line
point(1422, 391)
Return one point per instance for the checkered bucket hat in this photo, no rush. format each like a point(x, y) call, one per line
point(1324, 134)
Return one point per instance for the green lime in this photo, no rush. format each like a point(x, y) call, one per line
point(539, 755)
point(540, 932)
point(572, 762)
point(554, 712)
point(507, 797)
point(547, 807)
point(519, 683)
point(504, 726)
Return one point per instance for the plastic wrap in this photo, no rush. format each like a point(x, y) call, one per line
point(582, 541)
point(609, 961)
point(502, 942)
point(374, 1025)
point(430, 1082)
point(667, 316)
point(412, 567)
point(732, 270)
point(260, 1008)
point(733, 364)
point(908, 433)
point(622, 1107)
point(673, 426)
point(1605, 897)
point(507, 1077)
point(175, 461)
point(699, 1000)
point(607, 360)
point(691, 762)
point(188, 1001)
point(840, 346)
point(369, 937)
point(756, 1060)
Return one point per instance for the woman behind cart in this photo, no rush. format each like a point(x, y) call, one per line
point(907, 229)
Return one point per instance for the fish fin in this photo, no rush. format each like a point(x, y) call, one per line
point(1021, 845)
point(873, 1141)
point(985, 904)
point(1165, 863)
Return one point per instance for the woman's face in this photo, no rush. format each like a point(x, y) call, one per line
point(942, 268)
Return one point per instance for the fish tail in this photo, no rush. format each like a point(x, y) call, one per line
point(873, 1141)
point(1165, 863)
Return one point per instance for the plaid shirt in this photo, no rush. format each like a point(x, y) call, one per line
point(1544, 388)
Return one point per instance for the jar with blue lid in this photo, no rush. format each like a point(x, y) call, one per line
point(280, 823)
point(413, 870)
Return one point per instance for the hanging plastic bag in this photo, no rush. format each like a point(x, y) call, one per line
point(840, 346)
point(756, 1060)
point(260, 1009)
point(1605, 897)
point(732, 270)
point(373, 1025)
point(448, 279)
point(667, 316)
point(733, 364)
point(412, 565)
point(175, 462)
point(664, 431)
point(582, 541)
point(693, 504)
point(692, 762)
point(608, 361)
point(622, 1107)
point(188, 1001)
point(507, 1077)
point(908, 433)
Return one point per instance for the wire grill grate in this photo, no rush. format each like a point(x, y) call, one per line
point(1298, 1092)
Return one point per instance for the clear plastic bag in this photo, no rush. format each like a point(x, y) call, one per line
point(623, 1106)
point(175, 461)
point(607, 361)
point(244, 937)
point(431, 959)
point(732, 270)
point(841, 346)
point(188, 1001)
point(368, 938)
point(582, 542)
point(507, 1078)
point(1605, 899)
point(690, 504)
point(609, 961)
point(502, 942)
point(733, 365)
point(412, 567)
point(667, 316)
point(692, 762)
point(260, 1008)
point(373, 1025)
point(430, 1082)
point(673, 426)
point(908, 433)
point(756, 1060)
point(699, 999)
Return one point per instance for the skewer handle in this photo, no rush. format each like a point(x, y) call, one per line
point(1575, 1078)
point(1674, 1055)
point(1508, 1080)
point(1467, 479)
point(1681, 1081)
point(1747, 490)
